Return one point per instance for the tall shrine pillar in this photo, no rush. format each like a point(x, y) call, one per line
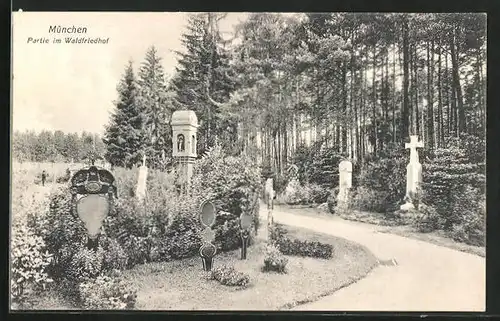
point(184, 128)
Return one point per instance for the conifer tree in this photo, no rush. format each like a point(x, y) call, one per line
point(155, 107)
point(202, 82)
point(124, 136)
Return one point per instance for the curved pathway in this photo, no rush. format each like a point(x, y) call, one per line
point(427, 278)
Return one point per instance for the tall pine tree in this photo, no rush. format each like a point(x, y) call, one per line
point(155, 106)
point(124, 136)
point(202, 82)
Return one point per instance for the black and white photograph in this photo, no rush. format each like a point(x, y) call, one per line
point(248, 161)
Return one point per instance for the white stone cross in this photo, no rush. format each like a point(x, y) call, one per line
point(144, 160)
point(413, 145)
point(413, 170)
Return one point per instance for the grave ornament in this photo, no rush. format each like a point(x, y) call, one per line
point(246, 221)
point(93, 192)
point(208, 249)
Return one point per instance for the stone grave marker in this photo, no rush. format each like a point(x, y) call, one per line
point(413, 172)
point(208, 249)
point(345, 183)
point(140, 191)
point(93, 192)
point(245, 225)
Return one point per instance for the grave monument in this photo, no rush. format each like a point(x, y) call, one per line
point(93, 192)
point(140, 191)
point(245, 225)
point(184, 127)
point(345, 183)
point(208, 249)
point(413, 172)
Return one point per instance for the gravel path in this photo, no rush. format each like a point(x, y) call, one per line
point(427, 277)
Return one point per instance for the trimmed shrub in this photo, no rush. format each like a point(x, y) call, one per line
point(274, 260)
point(305, 248)
point(288, 246)
point(106, 293)
point(229, 276)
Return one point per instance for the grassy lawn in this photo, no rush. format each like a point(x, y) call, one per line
point(374, 219)
point(182, 285)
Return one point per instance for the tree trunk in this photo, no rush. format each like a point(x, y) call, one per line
point(456, 84)
point(440, 141)
point(405, 109)
point(374, 101)
point(430, 103)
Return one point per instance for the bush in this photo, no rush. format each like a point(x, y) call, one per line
point(233, 184)
point(106, 293)
point(371, 200)
point(226, 275)
point(85, 264)
point(444, 178)
point(29, 262)
point(332, 200)
point(115, 257)
point(383, 181)
point(469, 212)
point(318, 194)
point(275, 260)
point(317, 165)
point(182, 239)
point(427, 219)
point(296, 193)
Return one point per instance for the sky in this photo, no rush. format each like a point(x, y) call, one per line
point(71, 87)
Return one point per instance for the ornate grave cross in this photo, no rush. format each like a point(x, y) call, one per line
point(208, 249)
point(93, 192)
point(413, 145)
point(413, 169)
point(246, 221)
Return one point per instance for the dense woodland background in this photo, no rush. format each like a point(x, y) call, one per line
point(358, 84)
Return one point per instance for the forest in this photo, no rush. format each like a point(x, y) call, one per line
point(358, 84)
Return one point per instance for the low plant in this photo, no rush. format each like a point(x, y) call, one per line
point(106, 293)
point(229, 276)
point(274, 260)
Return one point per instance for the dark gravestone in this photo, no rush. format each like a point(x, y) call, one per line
point(93, 192)
point(245, 224)
point(207, 250)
